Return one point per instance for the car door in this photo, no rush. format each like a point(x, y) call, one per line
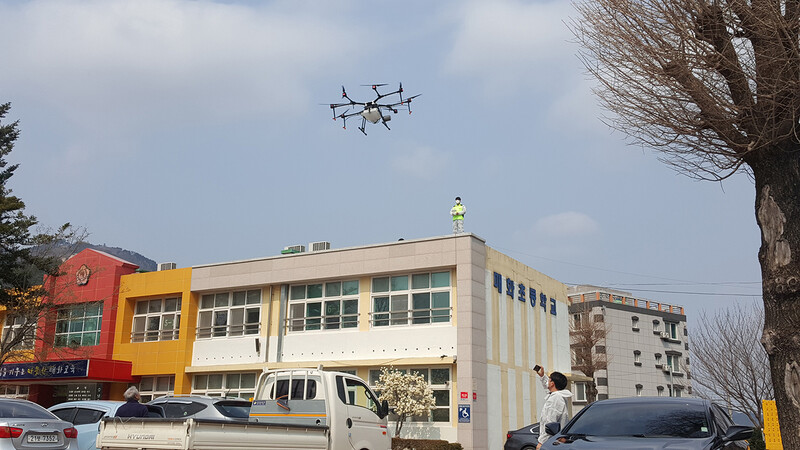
point(366, 428)
point(86, 421)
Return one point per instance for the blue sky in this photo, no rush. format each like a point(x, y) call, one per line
point(192, 131)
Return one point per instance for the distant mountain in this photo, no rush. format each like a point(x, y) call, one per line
point(144, 263)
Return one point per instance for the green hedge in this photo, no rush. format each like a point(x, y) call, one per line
point(423, 444)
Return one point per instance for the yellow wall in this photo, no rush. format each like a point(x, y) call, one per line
point(541, 338)
point(160, 357)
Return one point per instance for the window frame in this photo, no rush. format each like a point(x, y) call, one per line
point(225, 388)
point(580, 391)
point(211, 313)
point(444, 389)
point(19, 323)
point(150, 389)
point(161, 333)
point(299, 315)
point(72, 321)
point(390, 312)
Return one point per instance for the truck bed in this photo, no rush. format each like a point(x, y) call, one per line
point(202, 434)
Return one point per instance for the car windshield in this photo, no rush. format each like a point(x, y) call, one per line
point(683, 420)
point(19, 410)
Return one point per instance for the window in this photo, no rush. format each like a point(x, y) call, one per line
point(14, 391)
point(156, 386)
point(439, 381)
point(580, 392)
point(673, 363)
point(660, 390)
point(354, 392)
point(635, 323)
point(79, 325)
point(80, 416)
point(229, 314)
point(637, 356)
point(157, 320)
point(656, 327)
point(639, 390)
point(576, 319)
point(599, 318)
point(658, 360)
point(313, 308)
point(600, 349)
point(12, 329)
point(225, 385)
point(428, 294)
point(671, 328)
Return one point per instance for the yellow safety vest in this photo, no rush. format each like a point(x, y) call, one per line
point(459, 209)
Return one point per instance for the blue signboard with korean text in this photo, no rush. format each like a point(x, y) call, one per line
point(525, 295)
point(45, 369)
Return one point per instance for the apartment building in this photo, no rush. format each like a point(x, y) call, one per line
point(645, 343)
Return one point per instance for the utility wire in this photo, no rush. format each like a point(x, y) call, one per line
point(677, 282)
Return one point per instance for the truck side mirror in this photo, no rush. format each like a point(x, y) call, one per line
point(384, 409)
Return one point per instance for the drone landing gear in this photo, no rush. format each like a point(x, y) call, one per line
point(363, 125)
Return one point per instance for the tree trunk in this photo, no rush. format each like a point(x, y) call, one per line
point(777, 176)
point(591, 391)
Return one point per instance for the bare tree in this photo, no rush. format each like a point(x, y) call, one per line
point(587, 335)
point(35, 307)
point(714, 86)
point(729, 364)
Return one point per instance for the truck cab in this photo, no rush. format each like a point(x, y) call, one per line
point(341, 402)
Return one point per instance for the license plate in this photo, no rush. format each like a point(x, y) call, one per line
point(42, 438)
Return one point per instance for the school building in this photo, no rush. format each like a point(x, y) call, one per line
point(472, 320)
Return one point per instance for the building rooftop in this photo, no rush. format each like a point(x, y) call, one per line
point(588, 293)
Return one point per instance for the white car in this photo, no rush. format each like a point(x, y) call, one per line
point(85, 416)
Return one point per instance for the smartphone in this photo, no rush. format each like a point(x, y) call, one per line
point(536, 368)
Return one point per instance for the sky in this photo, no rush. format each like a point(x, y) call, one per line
point(199, 132)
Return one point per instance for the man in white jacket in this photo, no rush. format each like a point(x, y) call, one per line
point(555, 403)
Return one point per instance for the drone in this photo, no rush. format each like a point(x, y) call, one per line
point(372, 111)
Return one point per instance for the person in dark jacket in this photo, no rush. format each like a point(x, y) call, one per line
point(132, 407)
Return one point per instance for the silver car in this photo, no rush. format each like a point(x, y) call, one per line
point(203, 407)
point(26, 425)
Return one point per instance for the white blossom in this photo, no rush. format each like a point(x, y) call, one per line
point(408, 394)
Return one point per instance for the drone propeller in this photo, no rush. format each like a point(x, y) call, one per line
point(400, 91)
point(408, 101)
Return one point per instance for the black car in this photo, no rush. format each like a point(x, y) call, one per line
point(525, 438)
point(650, 422)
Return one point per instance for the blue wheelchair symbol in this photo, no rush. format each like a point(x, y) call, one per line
point(463, 413)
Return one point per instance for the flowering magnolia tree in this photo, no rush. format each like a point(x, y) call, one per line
point(408, 394)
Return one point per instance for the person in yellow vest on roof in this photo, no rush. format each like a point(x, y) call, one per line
point(458, 211)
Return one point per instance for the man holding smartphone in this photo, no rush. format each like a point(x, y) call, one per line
point(555, 403)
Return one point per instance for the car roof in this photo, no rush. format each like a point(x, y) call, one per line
point(652, 400)
point(100, 403)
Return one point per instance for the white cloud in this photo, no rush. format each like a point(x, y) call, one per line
point(124, 63)
point(421, 162)
point(513, 46)
point(566, 225)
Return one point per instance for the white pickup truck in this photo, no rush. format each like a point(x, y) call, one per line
point(292, 409)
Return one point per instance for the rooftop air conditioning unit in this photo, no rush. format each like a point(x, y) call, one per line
point(293, 249)
point(167, 266)
point(317, 246)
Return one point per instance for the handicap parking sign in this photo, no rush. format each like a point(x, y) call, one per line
point(463, 413)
